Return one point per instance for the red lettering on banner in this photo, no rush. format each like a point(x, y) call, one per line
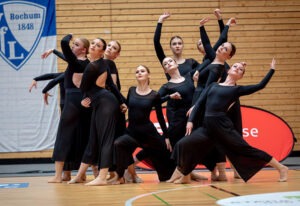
point(253, 132)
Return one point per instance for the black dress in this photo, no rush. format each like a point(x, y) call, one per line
point(209, 73)
point(121, 123)
point(177, 108)
point(142, 133)
point(246, 159)
point(105, 108)
point(74, 121)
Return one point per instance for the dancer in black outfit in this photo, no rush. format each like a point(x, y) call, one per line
point(74, 122)
point(218, 129)
point(178, 94)
point(112, 52)
point(141, 132)
point(214, 69)
point(105, 105)
point(176, 45)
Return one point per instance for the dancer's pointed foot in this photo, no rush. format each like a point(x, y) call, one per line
point(55, 180)
point(283, 174)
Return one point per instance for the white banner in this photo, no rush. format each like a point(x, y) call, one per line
point(27, 28)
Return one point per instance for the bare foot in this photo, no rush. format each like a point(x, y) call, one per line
point(197, 177)
point(176, 175)
point(97, 182)
point(118, 181)
point(83, 177)
point(55, 180)
point(183, 180)
point(112, 178)
point(95, 170)
point(111, 175)
point(128, 177)
point(283, 174)
point(66, 176)
point(213, 175)
point(222, 177)
point(77, 180)
point(137, 179)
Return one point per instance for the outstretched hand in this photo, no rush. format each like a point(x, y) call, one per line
point(203, 21)
point(46, 95)
point(46, 53)
point(33, 84)
point(217, 13)
point(231, 22)
point(273, 63)
point(163, 17)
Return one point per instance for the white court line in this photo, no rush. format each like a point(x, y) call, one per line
point(131, 200)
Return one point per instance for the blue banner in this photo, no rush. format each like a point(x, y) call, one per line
point(27, 28)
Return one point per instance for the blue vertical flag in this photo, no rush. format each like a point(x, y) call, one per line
point(27, 29)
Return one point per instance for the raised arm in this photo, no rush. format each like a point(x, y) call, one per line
point(218, 14)
point(224, 34)
point(158, 48)
point(66, 49)
point(210, 53)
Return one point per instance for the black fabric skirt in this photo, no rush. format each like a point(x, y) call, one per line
point(73, 131)
point(246, 159)
point(99, 150)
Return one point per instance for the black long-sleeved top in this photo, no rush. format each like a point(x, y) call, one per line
point(74, 65)
point(59, 54)
point(208, 72)
point(139, 109)
point(57, 78)
point(189, 65)
point(218, 99)
point(186, 90)
point(114, 70)
point(89, 78)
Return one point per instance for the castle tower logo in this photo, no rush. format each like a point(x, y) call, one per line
point(21, 26)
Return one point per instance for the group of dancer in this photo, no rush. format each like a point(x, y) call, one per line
point(204, 121)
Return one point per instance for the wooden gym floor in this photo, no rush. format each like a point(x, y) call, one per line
point(33, 189)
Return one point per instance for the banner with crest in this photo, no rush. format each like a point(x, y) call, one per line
point(27, 29)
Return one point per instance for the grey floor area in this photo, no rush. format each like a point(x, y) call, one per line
point(47, 169)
